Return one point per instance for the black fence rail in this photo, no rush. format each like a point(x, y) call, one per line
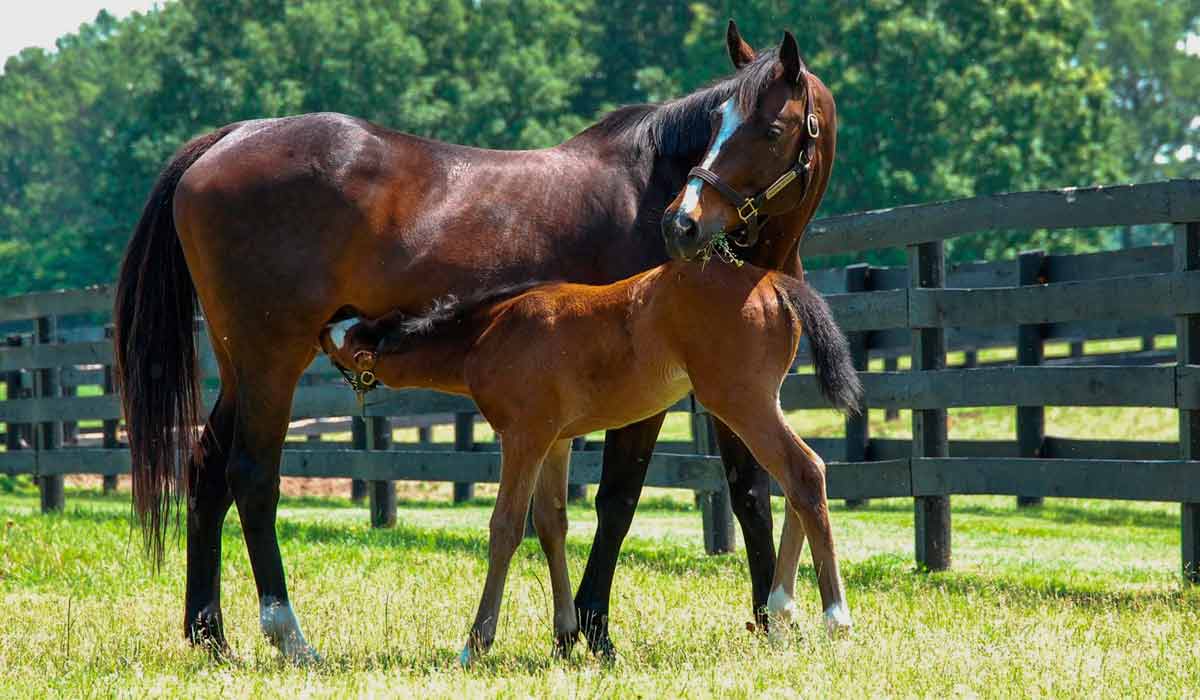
point(927, 311)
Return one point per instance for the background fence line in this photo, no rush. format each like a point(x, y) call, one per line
point(929, 311)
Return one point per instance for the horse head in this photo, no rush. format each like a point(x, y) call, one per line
point(767, 162)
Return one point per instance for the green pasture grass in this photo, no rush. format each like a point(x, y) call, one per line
point(1078, 598)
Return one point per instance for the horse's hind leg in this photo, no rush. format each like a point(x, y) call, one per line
point(208, 502)
point(523, 453)
point(264, 407)
point(801, 474)
point(550, 521)
point(750, 497)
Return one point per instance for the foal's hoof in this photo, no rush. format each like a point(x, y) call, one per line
point(781, 615)
point(837, 621)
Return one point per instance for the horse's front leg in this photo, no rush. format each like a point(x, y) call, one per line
point(750, 497)
point(522, 458)
point(550, 521)
point(627, 453)
point(781, 605)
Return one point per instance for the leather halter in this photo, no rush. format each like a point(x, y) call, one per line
point(749, 208)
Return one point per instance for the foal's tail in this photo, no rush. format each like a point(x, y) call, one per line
point(155, 352)
point(835, 371)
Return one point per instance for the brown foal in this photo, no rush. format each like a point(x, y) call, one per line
point(555, 361)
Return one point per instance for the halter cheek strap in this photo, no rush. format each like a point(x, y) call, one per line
point(750, 209)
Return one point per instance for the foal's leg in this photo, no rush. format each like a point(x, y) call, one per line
point(781, 605)
point(627, 454)
point(750, 497)
point(550, 521)
point(208, 502)
point(523, 455)
point(801, 474)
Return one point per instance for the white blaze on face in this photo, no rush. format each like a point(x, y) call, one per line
point(731, 119)
point(337, 332)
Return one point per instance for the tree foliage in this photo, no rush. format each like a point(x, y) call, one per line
point(936, 98)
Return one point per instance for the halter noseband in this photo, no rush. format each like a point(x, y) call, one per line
point(749, 209)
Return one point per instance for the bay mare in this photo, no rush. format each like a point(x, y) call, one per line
point(562, 360)
point(273, 225)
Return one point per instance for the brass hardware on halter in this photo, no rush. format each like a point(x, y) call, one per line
point(782, 182)
point(748, 204)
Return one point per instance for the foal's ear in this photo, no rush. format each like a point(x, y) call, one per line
point(740, 52)
point(789, 57)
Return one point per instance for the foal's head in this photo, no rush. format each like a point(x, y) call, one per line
point(757, 163)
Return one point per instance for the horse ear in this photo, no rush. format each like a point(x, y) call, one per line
point(739, 51)
point(789, 56)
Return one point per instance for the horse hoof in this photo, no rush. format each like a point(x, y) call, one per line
point(781, 615)
point(303, 656)
point(837, 621)
point(564, 642)
point(465, 657)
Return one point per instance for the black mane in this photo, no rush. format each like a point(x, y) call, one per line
point(682, 126)
point(447, 312)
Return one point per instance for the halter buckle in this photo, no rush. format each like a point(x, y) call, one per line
point(747, 205)
point(814, 126)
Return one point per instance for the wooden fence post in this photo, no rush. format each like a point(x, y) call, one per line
point(927, 269)
point(16, 434)
point(358, 435)
point(858, 429)
point(716, 512)
point(891, 364)
point(382, 493)
point(1187, 344)
point(110, 426)
point(49, 432)
point(577, 492)
point(1031, 420)
point(464, 441)
point(358, 441)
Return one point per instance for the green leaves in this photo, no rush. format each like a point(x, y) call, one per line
point(936, 98)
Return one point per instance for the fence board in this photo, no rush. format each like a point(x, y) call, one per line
point(88, 300)
point(1140, 480)
point(1119, 205)
point(39, 356)
point(1139, 296)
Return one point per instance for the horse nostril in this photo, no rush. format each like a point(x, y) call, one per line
point(685, 226)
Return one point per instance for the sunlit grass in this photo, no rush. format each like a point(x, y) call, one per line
point(1079, 598)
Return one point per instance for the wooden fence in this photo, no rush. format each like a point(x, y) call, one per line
point(924, 311)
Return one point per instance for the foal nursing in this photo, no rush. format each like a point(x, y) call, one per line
point(551, 362)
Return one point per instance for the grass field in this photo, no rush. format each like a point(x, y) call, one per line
point(1078, 598)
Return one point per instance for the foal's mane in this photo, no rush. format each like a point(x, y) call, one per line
point(682, 126)
point(445, 314)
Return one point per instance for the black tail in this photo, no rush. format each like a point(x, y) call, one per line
point(835, 371)
point(155, 352)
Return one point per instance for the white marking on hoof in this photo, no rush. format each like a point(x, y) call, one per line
point(781, 613)
point(464, 656)
point(281, 628)
point(337, 332)
point(837, 620)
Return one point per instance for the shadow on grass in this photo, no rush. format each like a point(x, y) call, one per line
point(1050, 512)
